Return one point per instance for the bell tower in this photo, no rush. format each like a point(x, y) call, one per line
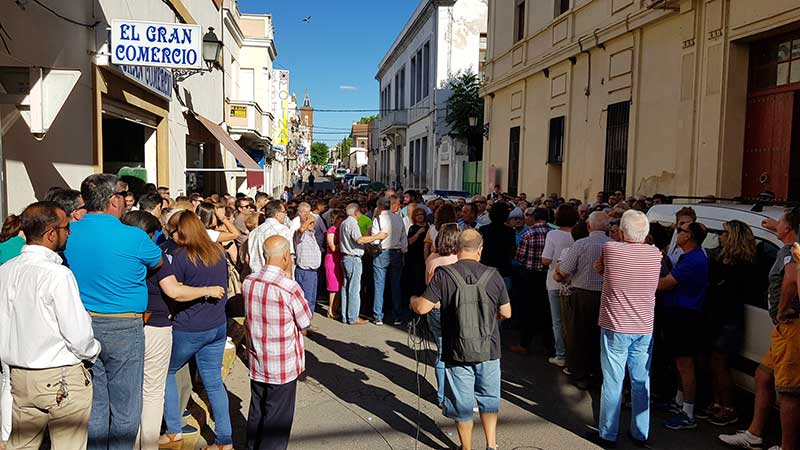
point(307, 116)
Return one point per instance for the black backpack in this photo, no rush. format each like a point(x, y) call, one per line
point(476, 318)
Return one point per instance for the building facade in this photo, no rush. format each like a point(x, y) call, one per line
point(682, 97)
point(441, 39)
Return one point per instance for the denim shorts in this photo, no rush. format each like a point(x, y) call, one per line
point(466, 384)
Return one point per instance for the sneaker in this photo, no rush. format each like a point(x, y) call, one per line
point(557, 361)
point(725, 416)
point(378, 322)
point(680, 421)
point(188, 430)
point(708, 412)
point(638, 442)
point(670, 407)
point(775, 447)
point(741, 439)
point(566, 371)
point(397, 323)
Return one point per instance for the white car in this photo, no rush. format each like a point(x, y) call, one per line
point(758, 325)
point(359, 180)
point(339, 173)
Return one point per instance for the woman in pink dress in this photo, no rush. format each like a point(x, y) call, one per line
point(333, 264)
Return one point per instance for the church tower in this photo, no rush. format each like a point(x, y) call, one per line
point(307, 117)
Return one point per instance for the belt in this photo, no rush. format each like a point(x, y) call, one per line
point(118, 315)
point(394, 250)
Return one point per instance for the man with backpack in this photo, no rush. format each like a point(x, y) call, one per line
point(473, 299)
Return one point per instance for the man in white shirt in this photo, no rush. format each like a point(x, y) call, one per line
point(390, 259)
point(274, 225)
point(46, 336)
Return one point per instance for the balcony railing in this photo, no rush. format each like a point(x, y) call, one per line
point(246, 116)
point(394, 119)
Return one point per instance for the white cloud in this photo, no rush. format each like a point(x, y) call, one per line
point(345, 87)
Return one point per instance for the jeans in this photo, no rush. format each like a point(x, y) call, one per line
point(117, 383)
point(617, 350)
point(554, 297)
point(391, 261)
point(351, 290)
point(435, 325)
point(470, 383)
point(207, 348)
point(307, 279)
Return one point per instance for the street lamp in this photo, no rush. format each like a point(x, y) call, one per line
point(212, 53)
point(473, 121)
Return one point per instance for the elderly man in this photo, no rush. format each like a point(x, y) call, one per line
point(70, 201)
point(110, 261)
point(46, 336)
point(352, 247)
point(582, 308)
point(631, 270)
point(389, 261)
point(309, 255)
point(529, 255)
point(276, 314)
point(482, 214)
point(275, 212)
point(472, 298)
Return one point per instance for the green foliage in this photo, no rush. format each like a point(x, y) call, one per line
point(463, 104)
point(319, 153)
point(343, 148)
point(368, 119)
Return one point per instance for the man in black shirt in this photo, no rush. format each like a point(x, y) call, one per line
point(465, 292)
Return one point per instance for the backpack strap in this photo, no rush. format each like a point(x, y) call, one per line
point(484, 279)
point(461, 283)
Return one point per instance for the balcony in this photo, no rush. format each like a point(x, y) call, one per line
point(246, 118)
point(393, 120)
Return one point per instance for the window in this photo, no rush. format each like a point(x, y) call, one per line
point(775, 63)
point(402, 88)
point(616, 166)
point(519, 21)
point(413, 98)
point(513, 161)
point(555, 148)
point(396, 90)
point(419, 76)
point(482, 46)
point(389, 97)
point(562, 6)
point(246, 84)
point(426, 59)
point(423, 169)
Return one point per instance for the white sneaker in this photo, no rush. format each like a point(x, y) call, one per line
point(742, 439)
point(557, 361)
point(776, 447)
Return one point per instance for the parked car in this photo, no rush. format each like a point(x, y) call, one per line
point(758, 324)
point(339, 173)
point(359, 180)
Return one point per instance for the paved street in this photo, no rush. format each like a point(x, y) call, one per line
point(360, 392)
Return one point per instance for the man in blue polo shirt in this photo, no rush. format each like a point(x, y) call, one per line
point(683, 297)
point(110, 262)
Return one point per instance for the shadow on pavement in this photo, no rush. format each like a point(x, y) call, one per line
point(349, 386)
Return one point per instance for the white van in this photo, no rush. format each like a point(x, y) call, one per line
point(758, 325)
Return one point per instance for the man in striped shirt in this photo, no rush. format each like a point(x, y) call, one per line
point(277, 314)
point(630, 277)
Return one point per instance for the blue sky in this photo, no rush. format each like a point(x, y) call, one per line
point(336, 55)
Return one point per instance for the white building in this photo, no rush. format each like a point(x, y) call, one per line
point(150, 121)
point(441, 39)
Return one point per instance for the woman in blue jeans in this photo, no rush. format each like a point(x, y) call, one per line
point(446, 242)
point(198, 330)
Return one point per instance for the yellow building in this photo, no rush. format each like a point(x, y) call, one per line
point(683, 97)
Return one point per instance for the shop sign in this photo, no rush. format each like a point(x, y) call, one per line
point(171, 45)
point(155, 79)
point(238, 111)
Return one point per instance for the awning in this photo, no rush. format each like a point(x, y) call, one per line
point(255, 173)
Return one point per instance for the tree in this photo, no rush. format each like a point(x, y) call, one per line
point(319, 153)
point(368, 119)
point(344, 148)
point(465, 102)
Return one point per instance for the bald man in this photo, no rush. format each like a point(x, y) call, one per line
point(472, 369)
point(276, 311)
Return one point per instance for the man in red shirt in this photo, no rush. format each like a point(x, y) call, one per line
point(277, 314)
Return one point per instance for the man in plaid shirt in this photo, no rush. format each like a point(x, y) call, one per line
point(277, 314)
point(535, 311)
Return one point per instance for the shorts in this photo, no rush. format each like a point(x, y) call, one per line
point(468, 383)
point(728, 339)
point(783, 357)
point(683, 332)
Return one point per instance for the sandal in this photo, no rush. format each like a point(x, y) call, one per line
point(171, 441)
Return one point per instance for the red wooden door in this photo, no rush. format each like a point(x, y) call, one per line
point(767, 145)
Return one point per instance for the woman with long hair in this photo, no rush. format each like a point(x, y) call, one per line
point(219, 227)
point(445, 214)
point(414, 265)
point(730, 284)
point(333, 263)
point(446, 254)
point(11, 238)
point(162, 289)
point(199, 330)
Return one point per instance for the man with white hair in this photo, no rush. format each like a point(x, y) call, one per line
point(352, 243)
point(277, 314)
point(630, 271)
point(582, 308)
point(307, 251)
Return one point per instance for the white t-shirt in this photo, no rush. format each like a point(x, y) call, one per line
point(213, 234)
point(555, 242)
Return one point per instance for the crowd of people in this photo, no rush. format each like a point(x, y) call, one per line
point(128, 288)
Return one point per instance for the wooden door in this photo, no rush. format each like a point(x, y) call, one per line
point(767, 145)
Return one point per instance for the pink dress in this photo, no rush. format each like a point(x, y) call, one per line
point(333, 263)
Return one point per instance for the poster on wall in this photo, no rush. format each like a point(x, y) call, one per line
point(169, 45)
